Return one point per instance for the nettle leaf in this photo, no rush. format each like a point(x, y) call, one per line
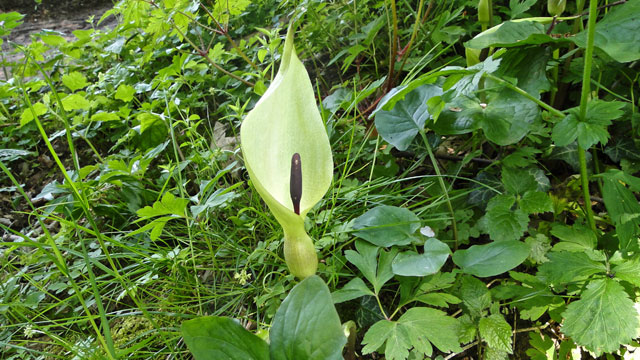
point(603, 319)
point(618, 33)
point(505, 119)
point(387, 226)
point(534, 202)
point(418, 328)
point(496, 332)
point(214, 337)
point(412, 264)
point(517, 181)
point(74, 81)
point(564, 267)
point(27, 114)
point(75, 102)
point(125, 92)
point(400, 125)
point(306, 325)
point(491, 259)
point(475, 295)
point(504, 222)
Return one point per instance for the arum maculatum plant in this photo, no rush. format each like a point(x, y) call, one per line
point(287, 154)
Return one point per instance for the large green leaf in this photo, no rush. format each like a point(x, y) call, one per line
point(618, 33)
point(496, 332)
point(214, 337)
point(491, 259)
point(387, 226)
point(412, 264)
point(513, 33)
point(400, 125)
point(591, 130)
point(624, 209)
point(306, 325)
point(528, 66)
point(603, 319)
point(505, 118)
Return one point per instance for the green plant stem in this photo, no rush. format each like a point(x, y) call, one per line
point(416, 25)
point(584, 99)
point(434, 162)
point(394, 46)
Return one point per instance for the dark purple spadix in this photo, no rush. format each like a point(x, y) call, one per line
point(295, 184)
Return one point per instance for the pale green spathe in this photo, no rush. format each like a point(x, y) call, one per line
point(286, 121)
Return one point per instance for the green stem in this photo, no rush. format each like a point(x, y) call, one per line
point(584, 99)
point(434, 162)
point(416, 25)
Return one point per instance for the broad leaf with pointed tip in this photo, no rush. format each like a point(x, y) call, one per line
point(286, 121)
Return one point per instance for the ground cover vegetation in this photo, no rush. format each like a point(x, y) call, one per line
point(483, 199)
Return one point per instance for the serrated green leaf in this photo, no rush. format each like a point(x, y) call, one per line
point(603, 319)
point(410, 263)
point(622, 205)
point(27, 114)
point(475, 295)
point(168, 205)
point(565, 132)
point(438, 299)
point(352, 290)
point(387, 226)
point(215, 337)
point(428, 326)
point(575, 238)
point(618, 33)
point(517, 182)
point(542, 348)
point(75, 102)
point(306, 325)
point(74, 80)
point(400, 125)
point(125, 92)
point(534, 202)
point(564, 267)
point(491, 259)
point(505, 223)
point(628, 270)
point(540, 246)
point(496, 332)
point(105, 116)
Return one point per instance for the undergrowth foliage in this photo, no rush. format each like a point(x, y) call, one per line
point(484, 199)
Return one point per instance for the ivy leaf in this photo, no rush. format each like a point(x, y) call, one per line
point(491, 259)
point(517, 181)
point(496, 332)
point(603, 319)
point(569, 154)
point(400, 125)
point(564, 267)
point(412, 264)
point(485, 186)
point(534, 202)
point(622, 148)
point(387, 226)
point(504, 222)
